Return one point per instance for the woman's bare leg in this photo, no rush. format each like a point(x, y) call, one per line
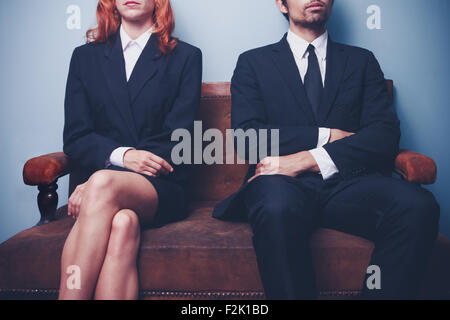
point(106, 193)
point(119, 275)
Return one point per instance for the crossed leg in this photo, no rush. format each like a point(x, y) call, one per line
point(118, 278)
point(104, 241)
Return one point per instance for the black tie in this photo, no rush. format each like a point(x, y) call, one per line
point(313, 81)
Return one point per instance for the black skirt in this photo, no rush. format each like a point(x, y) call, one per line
point(172, 199)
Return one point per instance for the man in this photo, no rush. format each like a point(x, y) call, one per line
point(338, 133)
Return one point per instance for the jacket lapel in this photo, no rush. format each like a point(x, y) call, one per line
point(114, 71)
point(146, 67)
point(285, 62)
point(336, 63)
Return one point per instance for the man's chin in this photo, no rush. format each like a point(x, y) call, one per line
point(317, 18)
point(313, 23)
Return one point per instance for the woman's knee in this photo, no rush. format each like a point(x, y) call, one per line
point(101, 182)
point(125, 231)
point(126, 220)
point(100, 189)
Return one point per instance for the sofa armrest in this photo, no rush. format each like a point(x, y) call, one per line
point(415, 167)
point(44, 172)
point(45, 169)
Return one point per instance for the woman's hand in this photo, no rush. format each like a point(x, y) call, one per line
point(145, 162)
point(75, 201)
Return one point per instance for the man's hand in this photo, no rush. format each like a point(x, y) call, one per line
point(290, 165)
point(337, 134)
point(75, 201)
point(145, 162)
point(294, 164)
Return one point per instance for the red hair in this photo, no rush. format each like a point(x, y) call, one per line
point(109, 20)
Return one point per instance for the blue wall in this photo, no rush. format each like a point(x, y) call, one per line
point(412, 47)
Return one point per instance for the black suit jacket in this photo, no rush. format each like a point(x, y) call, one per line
point(103, 111)
point(268, 93)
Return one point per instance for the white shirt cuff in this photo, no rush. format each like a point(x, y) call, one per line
point(116, 157)
point(324, 161)
point(324, 137)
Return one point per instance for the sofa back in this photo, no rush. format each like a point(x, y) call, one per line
point(213, 182)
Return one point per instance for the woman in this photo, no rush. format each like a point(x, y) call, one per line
point(128, 89)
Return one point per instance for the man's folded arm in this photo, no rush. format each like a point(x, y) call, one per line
point(326, 165)
point(248, 112)
point(375, 145)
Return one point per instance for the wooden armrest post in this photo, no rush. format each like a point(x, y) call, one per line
point(47, 202)
point(44, 172)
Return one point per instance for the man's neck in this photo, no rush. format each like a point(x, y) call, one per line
point(136, 29)
point(307, 34)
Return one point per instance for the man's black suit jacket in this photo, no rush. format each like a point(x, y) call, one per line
point(103, 111)
point(267, 93)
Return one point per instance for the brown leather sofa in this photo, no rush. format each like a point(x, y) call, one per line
point(201, 257)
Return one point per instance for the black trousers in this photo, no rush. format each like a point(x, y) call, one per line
point(399, 217)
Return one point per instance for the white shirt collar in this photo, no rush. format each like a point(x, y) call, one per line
point(299, 45)
point(141, 41)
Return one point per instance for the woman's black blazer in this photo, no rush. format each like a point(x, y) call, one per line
point(103, 111)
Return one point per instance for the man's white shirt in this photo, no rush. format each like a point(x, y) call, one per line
point(299, 48)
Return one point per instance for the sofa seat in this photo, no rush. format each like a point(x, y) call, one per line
point(200, 257)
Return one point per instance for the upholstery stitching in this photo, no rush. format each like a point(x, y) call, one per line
point(161, 292)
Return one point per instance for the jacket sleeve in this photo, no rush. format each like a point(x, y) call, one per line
point(183, 111)
point(81, 143)
point(248, 112)
point(376, 144)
